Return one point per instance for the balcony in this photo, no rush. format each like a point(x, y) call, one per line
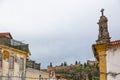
point(32, 64)
point(14, 44)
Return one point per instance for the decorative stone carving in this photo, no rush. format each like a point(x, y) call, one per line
point(103, 36)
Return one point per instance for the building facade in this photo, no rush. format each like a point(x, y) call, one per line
point(13, 55)
point(107, 52)
point(32, 70)
point(112, 60)
point(44, 74)
point(14, 60)
point(91, 62)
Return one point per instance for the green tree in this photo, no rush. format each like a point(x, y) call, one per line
point(65, 63)
point(76, 62)
point(50, 64)
point(81, 72)
point(85, 65)
point(61, 64)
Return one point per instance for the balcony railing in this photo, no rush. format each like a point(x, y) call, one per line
point(14, 44)
point(32, 64)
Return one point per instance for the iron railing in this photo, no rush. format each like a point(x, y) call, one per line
point(14, 43)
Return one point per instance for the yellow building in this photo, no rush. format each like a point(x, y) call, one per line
point(107, 52)
point(13, 55)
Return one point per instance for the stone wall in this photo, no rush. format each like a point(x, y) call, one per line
point(113, 63)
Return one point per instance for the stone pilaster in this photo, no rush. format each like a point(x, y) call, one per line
point(100, 51)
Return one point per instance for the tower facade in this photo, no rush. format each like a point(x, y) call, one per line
point(107, 52)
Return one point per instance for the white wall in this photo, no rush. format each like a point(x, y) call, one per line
point(113, 63)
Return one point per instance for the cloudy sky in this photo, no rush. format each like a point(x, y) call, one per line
point(58, 30)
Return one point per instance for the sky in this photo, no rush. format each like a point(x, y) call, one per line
point(58, 30)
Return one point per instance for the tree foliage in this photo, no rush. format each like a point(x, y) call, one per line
point(76, 62)
point(81, 72)
point(50, 64)
point(65, 63)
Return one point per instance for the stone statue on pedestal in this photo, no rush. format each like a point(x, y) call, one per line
point(103, 36)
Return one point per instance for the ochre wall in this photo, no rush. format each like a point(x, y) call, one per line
point(101, 54)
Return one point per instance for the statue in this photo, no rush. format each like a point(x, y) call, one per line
point(103, 29)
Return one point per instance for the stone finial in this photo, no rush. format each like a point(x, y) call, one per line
point(103, 36)
point(102, 11)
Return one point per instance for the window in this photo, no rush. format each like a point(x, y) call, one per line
point(0, 59)
point(11, 62)
point(21, 64)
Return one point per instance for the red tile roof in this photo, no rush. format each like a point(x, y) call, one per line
point(115, 42)
point(6, 34)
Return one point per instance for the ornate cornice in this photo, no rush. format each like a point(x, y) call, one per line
point(15, 50)
point(100, 47)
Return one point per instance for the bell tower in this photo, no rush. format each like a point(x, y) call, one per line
point(103, 36)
